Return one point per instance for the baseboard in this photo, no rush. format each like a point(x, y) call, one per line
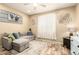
point(45, 39)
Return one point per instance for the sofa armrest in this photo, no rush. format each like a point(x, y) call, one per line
point(5, 38)
point(6, 43)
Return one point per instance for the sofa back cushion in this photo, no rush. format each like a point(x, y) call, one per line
point(16, 35)
point(19, 34)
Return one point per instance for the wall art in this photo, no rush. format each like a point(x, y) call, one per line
point(10, 17)
point(65, 18)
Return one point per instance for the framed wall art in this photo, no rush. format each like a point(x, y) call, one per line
point(9, 17)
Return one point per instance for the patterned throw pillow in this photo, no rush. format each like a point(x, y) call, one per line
point(10, 40)
point(11, 36)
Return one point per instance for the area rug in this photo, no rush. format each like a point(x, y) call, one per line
point(4, 52)
point(39, 47)
point(45, 48)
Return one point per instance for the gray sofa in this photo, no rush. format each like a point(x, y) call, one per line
point(17, 46)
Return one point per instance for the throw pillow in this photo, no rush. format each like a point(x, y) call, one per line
point(16, 35)
point(19, 34)
point(10, 40)
point(11, 36)
point(29, 33)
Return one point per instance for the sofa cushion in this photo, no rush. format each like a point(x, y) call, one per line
point(29, 38)
point(20, 42)
point(20, 45)
point(16, 35)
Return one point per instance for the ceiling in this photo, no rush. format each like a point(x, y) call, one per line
point(32, 8)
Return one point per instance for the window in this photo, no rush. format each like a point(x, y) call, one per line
point(47, 26)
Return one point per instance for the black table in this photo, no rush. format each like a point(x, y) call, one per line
point(66, 42)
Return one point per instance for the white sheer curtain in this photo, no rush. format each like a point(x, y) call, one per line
point(47, 26)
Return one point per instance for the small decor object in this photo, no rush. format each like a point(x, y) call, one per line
point(6, 16)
